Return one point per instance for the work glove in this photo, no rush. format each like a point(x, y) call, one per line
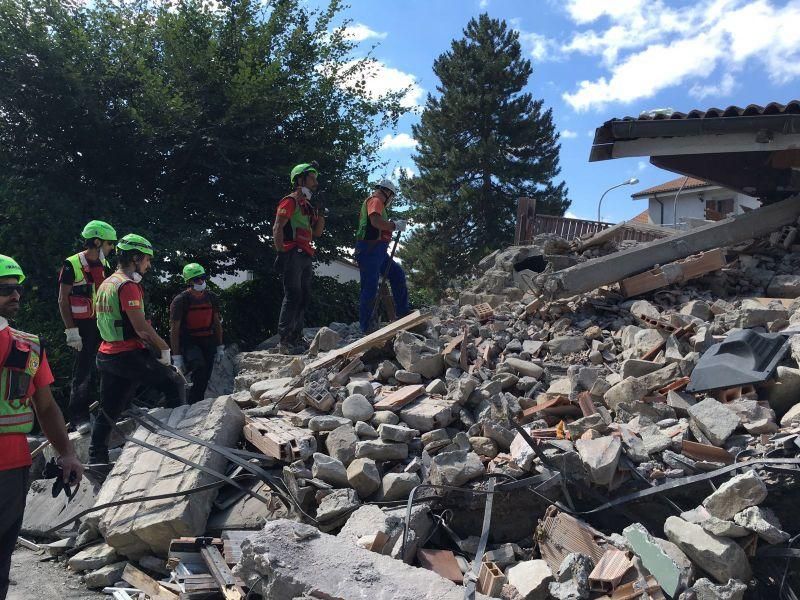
point(164, 359)
point(177, 362)
point(220, 353)
point(74, 338)
point(400, 225)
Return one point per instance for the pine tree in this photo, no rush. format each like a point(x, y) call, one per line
point(482, 143)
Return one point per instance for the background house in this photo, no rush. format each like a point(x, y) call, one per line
point(697, 200)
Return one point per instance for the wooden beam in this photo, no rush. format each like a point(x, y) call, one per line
point(399, 398)
point(368, 341)
point(142, 581)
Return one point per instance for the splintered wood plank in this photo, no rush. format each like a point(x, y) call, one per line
point(368, 341)
point(399, 398)
point(142, 581)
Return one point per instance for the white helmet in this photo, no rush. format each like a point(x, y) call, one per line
point(387, 184)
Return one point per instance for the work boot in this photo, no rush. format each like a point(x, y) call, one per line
point(98, 455)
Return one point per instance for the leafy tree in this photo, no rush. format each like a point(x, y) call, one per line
point(482, 143)
point(180, 121)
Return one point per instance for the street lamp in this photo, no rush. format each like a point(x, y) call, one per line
point(631, 181)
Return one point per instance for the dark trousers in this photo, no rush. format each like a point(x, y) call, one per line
point(120, 375)
point(14, 483)
point(199, 353)
point(373, 261)
point(84, 371)
point(297, 268)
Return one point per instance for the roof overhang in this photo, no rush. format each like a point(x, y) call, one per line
point(756, 155)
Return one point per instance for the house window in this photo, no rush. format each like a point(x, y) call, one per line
point(723, 207)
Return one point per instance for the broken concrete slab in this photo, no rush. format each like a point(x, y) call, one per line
point(600, 458)
point(531, 579)
point(715, 420)
point(335, 506)
point(92, 558)
point(736, 494)
point(764, 522)
point(292, 560)
point(672, 573)
point(148, 527)
point(105, 576)
point(572, 580)
point(417, 356)
point(705, 589)
point(428, 413)
point(722, 558)
point(455, 468)
point(627, 390)
point(397, 486)
point(42, 511)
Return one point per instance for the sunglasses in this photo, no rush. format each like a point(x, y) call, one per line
point(7, 289)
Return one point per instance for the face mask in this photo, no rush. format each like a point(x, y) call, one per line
point(306, 192)
point(199, 287)
point(136, 276)
point(101, 255)
point(3, 323)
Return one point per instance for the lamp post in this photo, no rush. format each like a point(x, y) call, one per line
point(631, 181)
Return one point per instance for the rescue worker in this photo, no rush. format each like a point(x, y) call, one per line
point(25, 379)
point(80, 276)
point(196, 330)
point(297, 223)
point(374, 234)
point(124, 360)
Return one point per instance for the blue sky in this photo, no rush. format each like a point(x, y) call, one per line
point(594, 60)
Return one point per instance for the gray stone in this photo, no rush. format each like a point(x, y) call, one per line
point(360, 386)
point(397, 433)
point(722, 558)
point(143, 528)
point(698, 309)
point(654, 441)
point(58, 548)
point(437, 386)
point(304, 562)
point(365, 431)
point(455, 468)
point(408, 377)
point(722, 528)
point(672, 573)
point(327, 423)
point(680, 402)
point(736, 494)
point(484, 446)
point(397, 486)
point(386, 370)
point(417, 356)
point(435, 435)
point(325, 340)
point(566, 344)
point(764, 522)
point(531, 578)
point(363, 476)
point(42, 511)
point(380, 450)
point(658, 379)
point(155, 564)
point(704, 589)
point(503, 436)
point(715, 420)
point(93, 558)
point(336, 505)
point(357, 408)
point(341, 443)
point(384, 416)
point(572, 579)
point(105, 576)
point(580, 426)
point(524, 367)
point(782, 395)
point(600, 458)
point(634, 367)
point(628, 390)
point(643, 308)
point(754, 314)
point(428, 413)
point(329, 469)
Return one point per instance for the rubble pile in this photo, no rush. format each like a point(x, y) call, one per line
point(639, 448)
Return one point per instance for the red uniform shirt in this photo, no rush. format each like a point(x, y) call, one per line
point(376, 206)
point(304, 221)
point(130, 298)
point(14, 451)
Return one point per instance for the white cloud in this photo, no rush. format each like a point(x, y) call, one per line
point(407, 171)
point(358, 32)
point(539, 46)
point(483, 3)
point(397, 142)
point(568, 134)
point(380, 79)
point(641, 165)
point(646, 47)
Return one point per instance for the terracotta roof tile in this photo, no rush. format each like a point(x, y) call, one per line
point(642, 217)
point(672, 186)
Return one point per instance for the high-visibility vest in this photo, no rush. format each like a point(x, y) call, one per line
point(365, 229)
point(297, 231)
point(82, 294)
point(113, 325)
point(16, 374)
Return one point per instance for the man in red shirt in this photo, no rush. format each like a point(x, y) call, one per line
point(297, 223)
point(26, 378)
point(123, 360)
point(79, 280)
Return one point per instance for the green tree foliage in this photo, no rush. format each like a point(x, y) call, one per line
point(482, 143)
point(180, 121)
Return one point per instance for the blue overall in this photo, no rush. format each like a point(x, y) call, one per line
point(373, 259)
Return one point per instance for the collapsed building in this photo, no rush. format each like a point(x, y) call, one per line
point(594, 418)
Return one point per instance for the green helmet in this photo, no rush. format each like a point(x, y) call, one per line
point(302, 169)
point(10, 268)
point(191, 271)
point(133, 241)
point(99, 229)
